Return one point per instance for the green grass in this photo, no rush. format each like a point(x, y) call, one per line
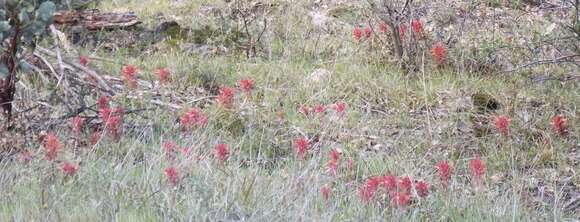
point(394, 123)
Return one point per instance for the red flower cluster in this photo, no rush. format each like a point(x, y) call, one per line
point(357, 33)
point(301, 146)
point(340, 107)
point(247, 85)
point(84, 61)
point(51, 146)
point(439, 53)
point(502, 124)
point(334, 161)
point(112, 120)
point(325, 190)
point(398, 189)
point(191, 118)
point(477, 169)
point(172, 175)
point(445, 171)
point(417, 27)
point(70, 169)
point(163, 75)
point(560, 125)
point(304, 109)
point(402, 31)
point(226, 96)
point(170, 148)
point(383, 27)
point(129, 73)
point(77, 125)
point(320, 109)
point(221, 152)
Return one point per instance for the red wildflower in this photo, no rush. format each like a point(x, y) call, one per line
point(320, 109)
point(334, 160)
point(383, 27)
point(444, 170)
point(95, 137)
point(368, 32)
point(172, 175)
point(325, 190)
point(129, 73)
point(367, 191)
point(113, 121)
point(340, 107)
point(84, 61)
point(304, 110)
point(422, 188)
point(301, 146)
point(405, 184)
point(221, 152)
point(247, 85)
point(186, 151)
point(417, 27)
point(559, 123)
point(439, 53)
point(163, 75)
point(70, 169)
point(226, 96)
point(400, 199)
point(389, 182)
point(502, 124)
point(52, 146)
point(477, 168)
point(103, 102)
point(402, 31)
point(77, 124)
point(193, 117)
point(357, 33)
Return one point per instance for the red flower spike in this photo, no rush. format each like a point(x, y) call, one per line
point(422, 189)
point(247, 85)
point(52, 146)
point(129, 72)
point(402, 31)
point(400, 200)
point(357, 33)
point(340, 107)
point(103, 102)
point(77, 125)
point(477, 169)
point(172, 175)
point(560, 124)
point(368, 32)
point(389, 182)
point(163, 75)
point(305, 110)
point(320, 109)
point(334, 161)
point(84, 61)
point(405, 184)
point(367, 191)
point(325, 191)
point(444, 170)
point(301, 147)
point(226, 96)
point(502, 124)
point(95, 137)
point(170, 148)
point(70, 169)
point(383, 27)
point(417, 27)
point(221, 152)
point(439, 53)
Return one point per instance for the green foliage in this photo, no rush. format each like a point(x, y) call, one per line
point(24, 22)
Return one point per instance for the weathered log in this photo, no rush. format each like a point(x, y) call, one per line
point(95, 20)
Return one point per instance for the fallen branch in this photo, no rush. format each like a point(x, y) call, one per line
point(95, 20)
